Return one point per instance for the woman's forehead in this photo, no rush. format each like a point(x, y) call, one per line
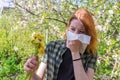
point(77, 23)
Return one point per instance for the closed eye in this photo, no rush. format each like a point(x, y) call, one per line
point(81, 32)
point(72, 28)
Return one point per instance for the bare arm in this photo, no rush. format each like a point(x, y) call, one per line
point(80, 74)
point(79, 71)
point(35, 77)
point(40, 72)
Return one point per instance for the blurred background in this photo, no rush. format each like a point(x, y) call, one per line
point(20, 18)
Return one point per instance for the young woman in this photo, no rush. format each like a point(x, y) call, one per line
point(69, 59)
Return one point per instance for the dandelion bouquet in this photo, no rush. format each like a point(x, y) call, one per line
point(38, 47)
point(37, 43)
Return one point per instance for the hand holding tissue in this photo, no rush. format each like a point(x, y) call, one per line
point(84, 39)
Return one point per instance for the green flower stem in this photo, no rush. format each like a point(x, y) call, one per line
point(28, 76)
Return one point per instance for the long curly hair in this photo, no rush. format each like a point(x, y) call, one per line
point(85, 17)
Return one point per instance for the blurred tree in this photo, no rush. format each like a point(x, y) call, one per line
point(50, 18)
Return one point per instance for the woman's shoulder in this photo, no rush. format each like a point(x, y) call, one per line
point(90, 54)
point(55, 42)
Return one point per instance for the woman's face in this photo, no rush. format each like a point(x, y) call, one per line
point(77, 27)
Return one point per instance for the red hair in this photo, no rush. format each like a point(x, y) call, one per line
point(85, 17)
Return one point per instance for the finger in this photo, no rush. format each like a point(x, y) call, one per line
point(31, 59)
point(70, 43)
point(27, 69)
point(30, 65)
point(34, 62)
point(35, 58)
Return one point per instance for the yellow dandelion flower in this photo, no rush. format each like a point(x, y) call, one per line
point(37, 41)
point(42, 45)
point(38, 36)
point(41, 50)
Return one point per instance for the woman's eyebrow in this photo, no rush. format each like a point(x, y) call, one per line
point(72, 25)
point(80, 29)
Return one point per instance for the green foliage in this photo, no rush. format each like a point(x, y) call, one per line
point(50, 18)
